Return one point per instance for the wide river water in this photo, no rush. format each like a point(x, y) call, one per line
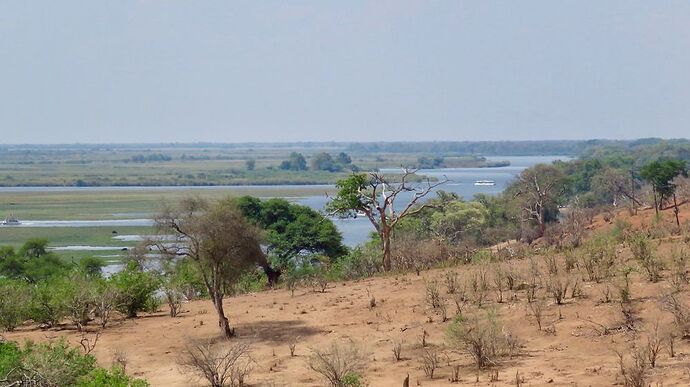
point(460, 181)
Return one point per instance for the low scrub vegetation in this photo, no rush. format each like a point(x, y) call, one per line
point(57, 364)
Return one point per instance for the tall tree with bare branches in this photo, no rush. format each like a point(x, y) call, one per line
point(537, 191)
point(374, 196)
point(218, 239)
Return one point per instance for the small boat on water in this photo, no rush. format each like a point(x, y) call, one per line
point(11, 220)
point(484, 182)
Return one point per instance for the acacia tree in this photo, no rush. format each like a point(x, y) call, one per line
point(538, 190)
point(374, 195)
point(217, 238)
point(661, 174)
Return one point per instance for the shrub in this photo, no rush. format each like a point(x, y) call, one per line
point(219, 364)
point(78, 295)
point(598, 258)
point(633, 371)
point(361, 262)
point(643, 252)
point(114, 377)
point(106, 300)
point(13, 303)
point(430, 361)
point(681, 314)
point(46, 304)
point(136, 288)
point(251, 282)
point(337, 363)
point(481, 336)
point(57, 363)
point(92, 266)
point(10, 359)
point(679, 273)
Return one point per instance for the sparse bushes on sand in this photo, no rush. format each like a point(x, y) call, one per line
point(340, 365)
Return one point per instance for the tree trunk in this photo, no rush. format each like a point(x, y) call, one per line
point(223, 322)
point(540, 220)
point(656, 205)
point(675, 209)
point(386, 239)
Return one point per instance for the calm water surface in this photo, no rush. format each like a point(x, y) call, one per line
point(461, 181)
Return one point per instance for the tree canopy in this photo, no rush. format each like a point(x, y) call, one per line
point(292, 230)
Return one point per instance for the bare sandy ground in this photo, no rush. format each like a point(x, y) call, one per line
point(571, 350)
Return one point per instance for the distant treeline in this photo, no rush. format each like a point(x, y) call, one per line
point(484, 148)
point(509, 148)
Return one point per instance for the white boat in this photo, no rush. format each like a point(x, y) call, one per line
point(11, 220)
point(484, 182)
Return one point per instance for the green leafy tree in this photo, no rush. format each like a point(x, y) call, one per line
point(218, 239)
point(459, 218)
point(292, 230)
point(343, 159)
point(324, 162)
point(136, 288)
point(296, 162)
point(250, 164)
point(32, 263)
point(34, 248)
point(660, 174)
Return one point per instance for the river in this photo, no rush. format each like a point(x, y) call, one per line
point(355, 231)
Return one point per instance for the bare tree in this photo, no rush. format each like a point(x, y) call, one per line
point(538, 189)
point(218, 239)
point(374, 195)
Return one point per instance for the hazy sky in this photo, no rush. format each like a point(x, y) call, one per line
point(232, 71)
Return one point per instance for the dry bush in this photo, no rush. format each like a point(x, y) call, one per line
point(430, 361)
point(536, 309)
point(654, 345)
point(433, 294)
point(499, 280)
point(624, 285)
point(338, 363)
point(174, 298)
point(292, 344)
point(223, 364)
point(483, 337)
point(681, 314)
point(633, 370)
point(478, 285)
point(557, 285)
point(606, 294)
point(397, 349)
point(120, 359)
point(598, 258)
point(679, 272)
point(435, 300)
point(460, 300)
point(534, 279)
point(410, 253)
point(452, 281)
point(512, 276)
point(106, 302)
point(643, 252)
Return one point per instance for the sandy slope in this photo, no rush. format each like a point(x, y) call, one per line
point(575, 355)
